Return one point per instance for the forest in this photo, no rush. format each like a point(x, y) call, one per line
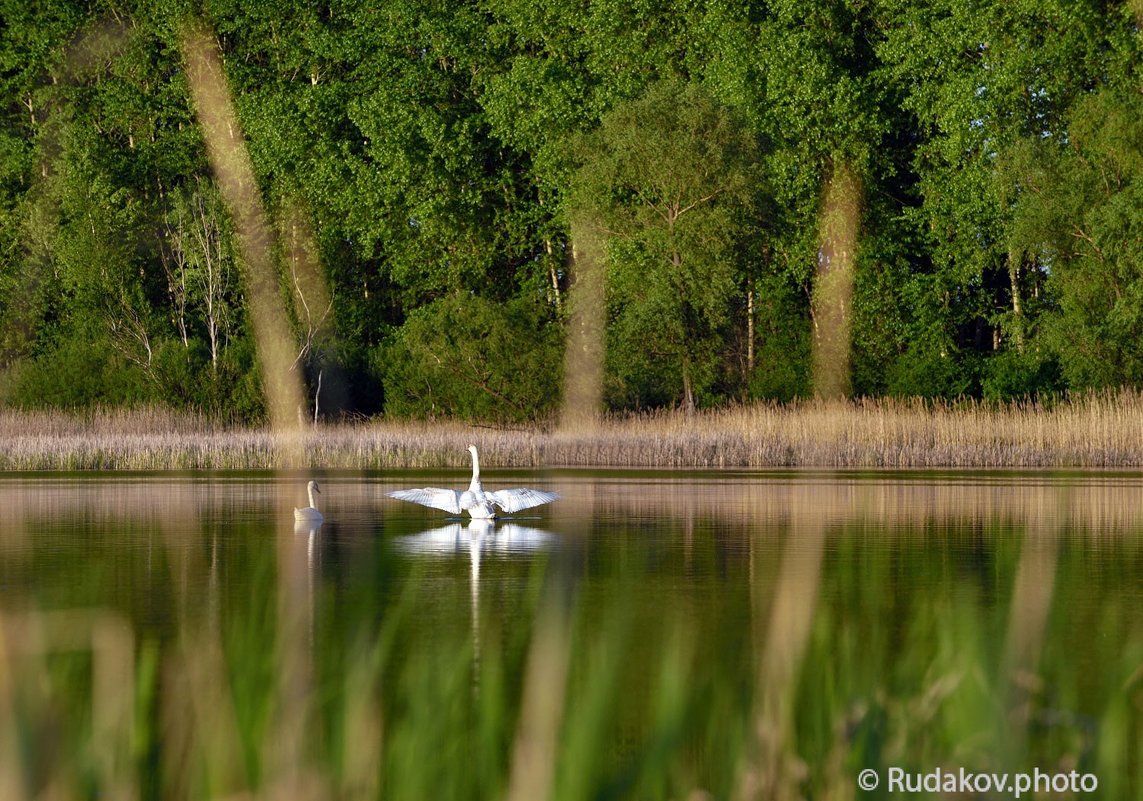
point(775, 199)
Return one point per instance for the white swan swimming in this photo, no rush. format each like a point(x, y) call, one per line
point(310, 513)
point(479, 504)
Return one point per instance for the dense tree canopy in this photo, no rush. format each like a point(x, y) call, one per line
point(438, 152)
point(671, 178)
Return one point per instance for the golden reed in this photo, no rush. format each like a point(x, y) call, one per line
point(1096, 430)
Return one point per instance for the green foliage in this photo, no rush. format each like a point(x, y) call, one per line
point(77, 372)
point(932, 374)
point(440, 152)
point(782, 344)
point(464, 356)
point(1081, 215)
point(671, 177)
point(1012, 375)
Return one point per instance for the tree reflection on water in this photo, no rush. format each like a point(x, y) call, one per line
point(652, 634)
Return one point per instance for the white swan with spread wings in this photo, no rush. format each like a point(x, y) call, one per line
point(479, 504)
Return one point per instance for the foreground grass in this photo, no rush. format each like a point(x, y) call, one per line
point(1099, 430)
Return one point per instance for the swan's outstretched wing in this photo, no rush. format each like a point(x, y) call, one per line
point(446, 499)
point(514, 500)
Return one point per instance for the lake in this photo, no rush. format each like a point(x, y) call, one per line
point(688, 635)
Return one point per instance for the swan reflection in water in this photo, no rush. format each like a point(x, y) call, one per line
point(310, 529)
point(477, 537)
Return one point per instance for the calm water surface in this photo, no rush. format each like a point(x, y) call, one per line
point(845, 620)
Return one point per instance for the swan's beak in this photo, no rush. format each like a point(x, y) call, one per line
point(317, 489)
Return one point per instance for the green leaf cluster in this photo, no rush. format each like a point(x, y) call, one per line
point(441, 151)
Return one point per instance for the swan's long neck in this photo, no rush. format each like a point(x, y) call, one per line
point(475, 466)
point(310, 490)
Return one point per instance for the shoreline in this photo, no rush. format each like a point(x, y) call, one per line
point(1094, 431)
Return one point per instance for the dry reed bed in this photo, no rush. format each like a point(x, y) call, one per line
point(1100, 430)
